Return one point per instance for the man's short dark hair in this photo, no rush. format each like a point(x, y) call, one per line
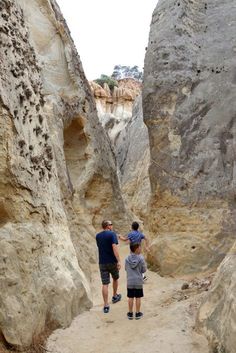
point(106, 223)
point(135, 225)
point(134, 246)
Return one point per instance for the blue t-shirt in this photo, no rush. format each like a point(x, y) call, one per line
point(104, 240)
point(135, 237)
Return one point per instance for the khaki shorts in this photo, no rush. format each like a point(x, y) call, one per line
point(106, 270)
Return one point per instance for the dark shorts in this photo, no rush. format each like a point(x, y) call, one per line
point(106, 270)
point(134, 292)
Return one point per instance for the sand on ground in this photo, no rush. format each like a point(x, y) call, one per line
point(166, 327)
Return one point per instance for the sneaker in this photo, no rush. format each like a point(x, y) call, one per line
point(130, 316)
point(116, 298)
point(138, 315)
point(106, 309)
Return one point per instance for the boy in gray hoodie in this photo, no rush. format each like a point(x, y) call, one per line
point(135, 266)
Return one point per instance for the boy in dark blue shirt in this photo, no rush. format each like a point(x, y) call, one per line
point(109, 262)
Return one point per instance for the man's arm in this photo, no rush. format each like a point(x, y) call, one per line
point(116, 253)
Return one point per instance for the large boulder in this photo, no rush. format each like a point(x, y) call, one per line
point(57, 173)
point(189, 108)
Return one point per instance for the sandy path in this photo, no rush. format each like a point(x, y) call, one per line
point(167, 325)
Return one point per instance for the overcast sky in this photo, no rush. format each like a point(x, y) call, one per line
point(108, 32)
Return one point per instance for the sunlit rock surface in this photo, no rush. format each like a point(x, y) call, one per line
point(57, 173)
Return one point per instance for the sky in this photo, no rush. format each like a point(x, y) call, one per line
point(108, 32)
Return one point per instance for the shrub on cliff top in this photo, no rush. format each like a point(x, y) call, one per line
point(107, 79)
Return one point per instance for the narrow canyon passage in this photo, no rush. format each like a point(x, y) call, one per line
point(167, 325)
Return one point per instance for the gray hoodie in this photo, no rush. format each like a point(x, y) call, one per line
point(135, 266)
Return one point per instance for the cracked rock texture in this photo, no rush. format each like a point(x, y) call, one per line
point(189, 108)
point(57, 173)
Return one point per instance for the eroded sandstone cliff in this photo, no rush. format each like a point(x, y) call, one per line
point(115, 107)
point(120, 112)
point(57, 173)
point(189, 108)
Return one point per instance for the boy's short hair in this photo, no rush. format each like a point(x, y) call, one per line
point(135, 225)
point(134, 246)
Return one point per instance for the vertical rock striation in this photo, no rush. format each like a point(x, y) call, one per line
point(57, 173)
point(189, 108)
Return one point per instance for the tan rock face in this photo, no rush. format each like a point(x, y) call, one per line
point(57, 173)
point(189, 109)
point(217, 315)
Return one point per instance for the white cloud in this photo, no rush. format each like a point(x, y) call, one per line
point(108, 33)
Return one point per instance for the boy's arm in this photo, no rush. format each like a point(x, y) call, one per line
point(121, 237)
point(144, 266)
point(146, 243)
point(116, 253)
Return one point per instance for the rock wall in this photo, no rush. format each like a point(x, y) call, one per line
point(133, 158)
point(57, 173)
point(189, 108)
point(121, 114)
point(217, 314)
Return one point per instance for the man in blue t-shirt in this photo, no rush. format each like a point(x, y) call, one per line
point(109, 262)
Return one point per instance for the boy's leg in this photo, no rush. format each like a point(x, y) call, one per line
point(105, 294)
point(138, 304)
point(130, 304)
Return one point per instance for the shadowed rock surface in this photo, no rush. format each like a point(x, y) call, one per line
point(57, 173)
point(189, 108)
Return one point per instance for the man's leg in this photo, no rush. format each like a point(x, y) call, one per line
point(105, 294)
point(115, 287)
